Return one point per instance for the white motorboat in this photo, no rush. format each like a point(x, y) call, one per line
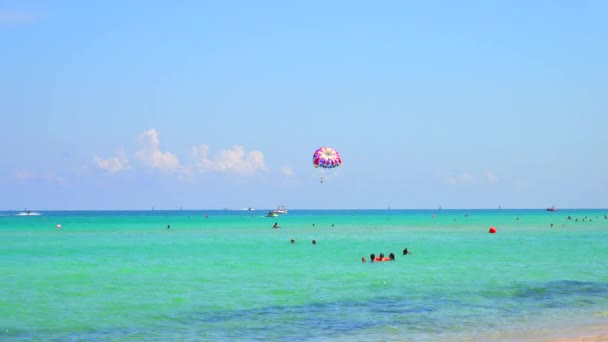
point(280, 210)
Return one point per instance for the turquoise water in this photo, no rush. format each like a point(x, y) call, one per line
point(123, 276)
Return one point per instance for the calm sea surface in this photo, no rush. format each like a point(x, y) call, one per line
point(123, 276)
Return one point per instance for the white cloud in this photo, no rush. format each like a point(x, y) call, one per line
point(235, 160)
point(113, 165)
point(151, 155)
point(201, 161)
point(287, 171)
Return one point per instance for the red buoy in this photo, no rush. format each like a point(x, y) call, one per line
point(492, 230)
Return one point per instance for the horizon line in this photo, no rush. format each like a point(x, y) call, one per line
point(300, 209)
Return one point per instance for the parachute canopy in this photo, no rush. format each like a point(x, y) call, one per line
point(326, 157)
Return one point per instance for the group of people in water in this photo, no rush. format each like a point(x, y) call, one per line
point(381, 257)
point(576, 219)
point(378, 258)
point(372, 257)
point(585, 218)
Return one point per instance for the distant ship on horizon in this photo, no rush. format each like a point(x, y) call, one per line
point(552, 208)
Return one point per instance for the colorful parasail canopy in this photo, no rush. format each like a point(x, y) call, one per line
point(326, 157)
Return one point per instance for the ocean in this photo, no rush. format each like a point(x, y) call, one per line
point(218, 275)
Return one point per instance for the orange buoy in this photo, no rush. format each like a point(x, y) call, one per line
point(492, 230)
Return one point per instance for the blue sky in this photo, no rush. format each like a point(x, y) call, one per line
point(141, 104)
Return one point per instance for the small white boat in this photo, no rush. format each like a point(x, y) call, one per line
point(28, 213)
point(280, 210)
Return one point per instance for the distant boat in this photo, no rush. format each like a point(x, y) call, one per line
point(272, 214)
point(553, 208)
point(280, 210)
point(28, 213)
